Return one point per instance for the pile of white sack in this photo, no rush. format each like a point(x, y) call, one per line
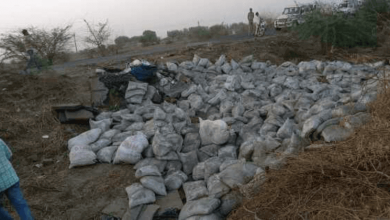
point(251, 115)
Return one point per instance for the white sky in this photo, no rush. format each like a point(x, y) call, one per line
point(131, 17)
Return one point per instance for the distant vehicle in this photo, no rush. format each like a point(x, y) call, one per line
point(293, 15)
point(348, 7)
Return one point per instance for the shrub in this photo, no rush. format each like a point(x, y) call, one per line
point(219, 30)
point(239, 28)
point(336, 30)
point(200, 32)
point(176, 34)
point(135, 39)
point(121, 40)
point(63, 58)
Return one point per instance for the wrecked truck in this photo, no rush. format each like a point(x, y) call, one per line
point(292, 15)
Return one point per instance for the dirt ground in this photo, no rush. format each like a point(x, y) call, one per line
point(54, 191)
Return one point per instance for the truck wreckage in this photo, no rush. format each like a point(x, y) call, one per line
point(293, 15)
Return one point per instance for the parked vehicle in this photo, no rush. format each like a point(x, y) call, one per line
point(348, 7)
point(293, 15)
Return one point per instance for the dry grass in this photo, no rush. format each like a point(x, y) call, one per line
point(27, 115)
point(349, 180)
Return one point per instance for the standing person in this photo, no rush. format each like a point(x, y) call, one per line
point(250, 19)
point(32, 53)
point(9, 186)
point(256, 22)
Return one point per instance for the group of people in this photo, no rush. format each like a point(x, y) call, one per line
point(254, 23)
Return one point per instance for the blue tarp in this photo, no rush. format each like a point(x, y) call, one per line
point(143, 72)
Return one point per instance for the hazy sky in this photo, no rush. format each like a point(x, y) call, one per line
point(131, 17)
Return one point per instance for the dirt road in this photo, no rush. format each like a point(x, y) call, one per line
point(159, 49)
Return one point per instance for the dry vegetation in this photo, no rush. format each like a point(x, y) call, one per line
point(51, 189)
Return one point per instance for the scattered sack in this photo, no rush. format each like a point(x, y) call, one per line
point(81, 155)
point(110, 134)
point(103, 115)
point(336, 133)
point(202, 206)
point(154, 183)
point(100, 144)
point(175, 180)
point(139, 195)
point(85, 138)
point(213, 132)
point(286, 130)
point(195, 190)
point(104, 124)
point(227, 163)
point(212, 216)
point(120, 137)
point(150, 170)
point(228, 152)
point(296, 145)
point(174, 165)
point(246, 150)
point(160, 164)
point(191, 142)
point(172, 67)
point(216, 188)
point(105, 155)
point(211, 166)
point(314, 122)
point(229, 202)
point(198, 171)
point(131, 149)
point(165, 143)
point(236, 174)
point(189, 161)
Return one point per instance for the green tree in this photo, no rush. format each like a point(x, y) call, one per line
point(149, 37)
point(121, 40)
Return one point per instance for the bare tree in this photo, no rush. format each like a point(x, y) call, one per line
point(12, 45)
point(51, 45)
point(98, 35)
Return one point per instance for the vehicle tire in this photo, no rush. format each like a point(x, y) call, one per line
point(261, 33)
point(278, 29)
